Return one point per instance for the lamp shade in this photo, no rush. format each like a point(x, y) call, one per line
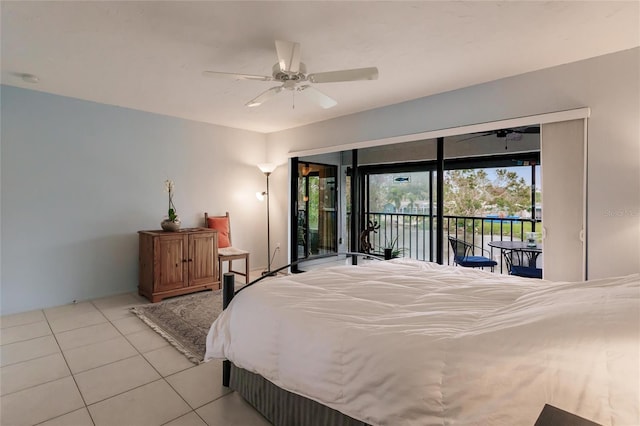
point(267, 167)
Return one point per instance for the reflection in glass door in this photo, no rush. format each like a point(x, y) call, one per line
point(317, 210)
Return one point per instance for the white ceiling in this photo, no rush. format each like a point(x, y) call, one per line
point(150, 55)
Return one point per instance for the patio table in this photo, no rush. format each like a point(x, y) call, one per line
point(532, 252)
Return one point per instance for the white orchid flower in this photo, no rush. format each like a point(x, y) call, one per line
point(169, 186)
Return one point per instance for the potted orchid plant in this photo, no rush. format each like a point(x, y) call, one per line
point(172, 221)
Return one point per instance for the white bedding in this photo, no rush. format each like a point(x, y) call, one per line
point(413, 343)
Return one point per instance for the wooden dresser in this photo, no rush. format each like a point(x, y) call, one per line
point(174, 263)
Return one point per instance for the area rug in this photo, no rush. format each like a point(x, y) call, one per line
point(184, 320)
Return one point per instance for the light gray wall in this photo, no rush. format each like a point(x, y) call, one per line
point(79, 179)
point(609, 85)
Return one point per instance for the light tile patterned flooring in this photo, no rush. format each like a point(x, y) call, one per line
point(95, 363)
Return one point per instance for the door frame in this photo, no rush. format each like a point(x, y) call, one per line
point(538, 119)
point(293, 215)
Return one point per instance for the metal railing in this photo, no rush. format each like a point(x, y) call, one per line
point(413, 235)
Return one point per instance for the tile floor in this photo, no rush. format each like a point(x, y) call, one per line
point(95, 363)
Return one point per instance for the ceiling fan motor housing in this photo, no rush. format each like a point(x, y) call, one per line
point(285, 76)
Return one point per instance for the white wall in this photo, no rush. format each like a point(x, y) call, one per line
point(609, 85)
point(79, 179)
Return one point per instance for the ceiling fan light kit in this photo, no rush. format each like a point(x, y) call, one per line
point(291, 73)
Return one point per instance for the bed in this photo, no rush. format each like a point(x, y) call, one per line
point(404, 342)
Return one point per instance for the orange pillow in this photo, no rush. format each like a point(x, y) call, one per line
point(220, 224)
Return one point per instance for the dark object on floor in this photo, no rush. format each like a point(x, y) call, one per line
point(553, 416)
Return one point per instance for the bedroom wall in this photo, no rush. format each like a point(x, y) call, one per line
point(609, 85)
point(79, 179)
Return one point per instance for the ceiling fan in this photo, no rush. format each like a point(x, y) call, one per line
point(293, 75)
point(509, 135)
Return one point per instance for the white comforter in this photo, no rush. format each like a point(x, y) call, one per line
point(413, 343)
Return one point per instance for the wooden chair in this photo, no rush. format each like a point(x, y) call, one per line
point(463, 255)
point(226, 252)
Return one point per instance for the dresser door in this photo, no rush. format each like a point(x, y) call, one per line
point(171, 262)
point(202, 258)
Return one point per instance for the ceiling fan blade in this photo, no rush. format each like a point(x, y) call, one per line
point(317, 96)
point(288, 56)
point(264, 96)
point(370, 73)
point(234, 76)
point(474, 136)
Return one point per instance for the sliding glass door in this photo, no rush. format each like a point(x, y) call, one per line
point(317, 210)
point(400, 207)
point(395, 205)
point(484, 199)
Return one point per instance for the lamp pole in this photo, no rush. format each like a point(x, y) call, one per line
point(268, 228)
point(267, 168)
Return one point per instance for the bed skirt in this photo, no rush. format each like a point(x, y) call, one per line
point(281, 407)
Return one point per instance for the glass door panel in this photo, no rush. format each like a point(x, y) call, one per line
point(317, 225)
point(399, 208)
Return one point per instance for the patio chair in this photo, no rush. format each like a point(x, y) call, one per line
point(519, 264)
point(463, 255)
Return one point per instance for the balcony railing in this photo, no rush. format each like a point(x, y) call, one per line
point(414, 235)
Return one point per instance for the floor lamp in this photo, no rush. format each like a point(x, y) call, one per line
point(267, 168)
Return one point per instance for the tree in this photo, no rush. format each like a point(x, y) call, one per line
point(395, 195)
point(378, 190)
point(471, 193)
point(466, 192)
point(510, 193)
point(314, 199)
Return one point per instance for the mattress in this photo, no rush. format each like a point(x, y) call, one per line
point(282, 407)
point(404, 342)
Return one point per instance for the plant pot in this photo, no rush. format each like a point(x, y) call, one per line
point(388, 253)
point(170, 226)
